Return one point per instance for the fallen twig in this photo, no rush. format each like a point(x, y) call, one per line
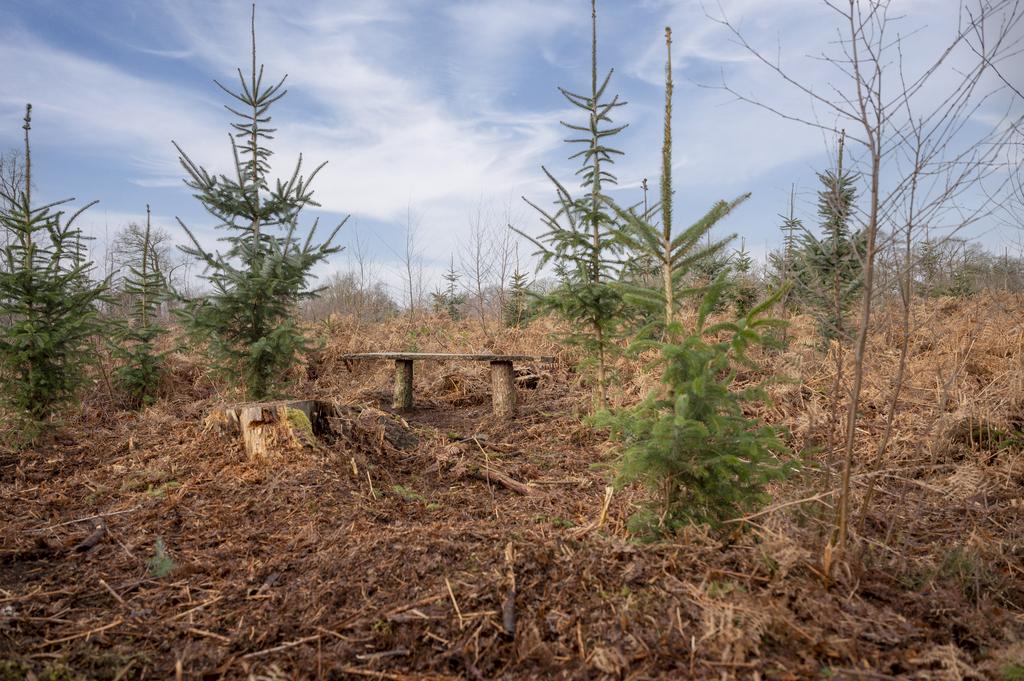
point(508, 606)
point(95, 537)
point(493, 475)
point(283, 646)
point(209, 634)
point(97, 630)
point(377, 674)
point(191, 610)
point(113, 593)
point(776, 507)
point(88, 517)
point(462, 622)
point(602, 516)
point(397, 652)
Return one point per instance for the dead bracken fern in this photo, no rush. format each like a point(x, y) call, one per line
point(324, 563)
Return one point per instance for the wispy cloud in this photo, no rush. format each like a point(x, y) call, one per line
point(91, 104)
point(431, 103)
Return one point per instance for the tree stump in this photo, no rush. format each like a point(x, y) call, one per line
point(503, 389)
point(403, 384)
point(269, 427)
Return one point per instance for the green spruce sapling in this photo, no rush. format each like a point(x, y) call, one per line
point(783, 264)
point(581, 237)
point(691, 442)
point(47, 293)
point(248, 318)
point(930, 266)
point(965, 275)
point(517, 307)
point(448, 300)
point(828, 273)
point(141, 364)
point(640, 269)
point(743, 286)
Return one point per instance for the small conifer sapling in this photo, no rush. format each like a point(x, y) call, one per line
point(829, 270)
point(141, 368)
point(690, 442)
point(248, 318)
point(581, 238)
point(448, 300)
point(517, 307)
point(47, 293)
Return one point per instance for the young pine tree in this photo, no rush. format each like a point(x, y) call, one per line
point(828, 276)
point(47, 293)
point(517, 306)
point(690, 442)
point(141, 365)
point(674, 255)
point(743, 287)
point(249, 316)
point(581, 237)
point(929, 266)
point(712, 265)
point(448, 300)
point(965, 276)
point(783, 264)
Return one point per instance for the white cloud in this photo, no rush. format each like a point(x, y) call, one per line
point(410, 101)
point(93, 105)
point(389, 138)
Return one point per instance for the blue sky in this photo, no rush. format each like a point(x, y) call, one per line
point(437, 105)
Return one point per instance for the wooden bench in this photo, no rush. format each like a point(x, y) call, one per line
point(503, 388)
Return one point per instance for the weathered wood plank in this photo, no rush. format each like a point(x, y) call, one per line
point(449, 356)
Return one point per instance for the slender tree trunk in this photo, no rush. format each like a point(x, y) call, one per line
point(254, 145)
point(666, 186)
point(907, 300)
point(837, 314)
point(144, 304)
point(27, 195)
point(874, 137)
point(595, 199)
point(602, 390)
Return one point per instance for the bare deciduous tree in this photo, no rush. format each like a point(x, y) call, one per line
point(412, 263)
point(359, 291)
point(12, 172)
point(130, 242)
point(12, 180)
point(920, 161)
point(487, 261)
point(366, 270)
point(476, 259)
point(505, 255)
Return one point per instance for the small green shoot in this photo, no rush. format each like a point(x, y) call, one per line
point(160, 564)
point(160, 491)
point(406, 493)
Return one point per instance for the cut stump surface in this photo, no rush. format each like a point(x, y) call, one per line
point(268, 427)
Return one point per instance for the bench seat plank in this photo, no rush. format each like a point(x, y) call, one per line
point(503, 390)
point(452, 356)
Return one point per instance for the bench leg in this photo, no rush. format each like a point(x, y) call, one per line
point(403, 384)
point(503, 389)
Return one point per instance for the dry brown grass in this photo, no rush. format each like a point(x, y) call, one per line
point(356, 561)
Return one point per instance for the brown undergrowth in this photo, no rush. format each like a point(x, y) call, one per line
point(346, 561)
